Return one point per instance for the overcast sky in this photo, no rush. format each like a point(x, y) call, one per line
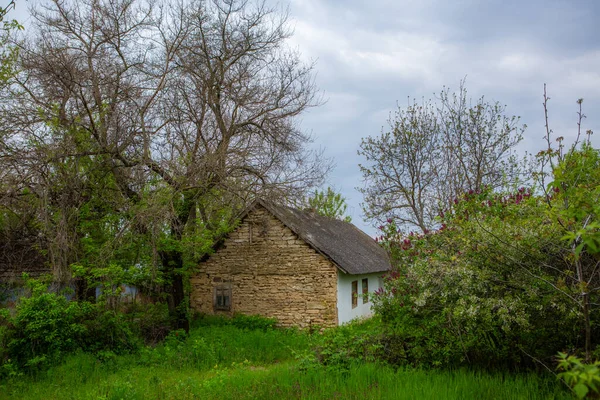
point(372, 55)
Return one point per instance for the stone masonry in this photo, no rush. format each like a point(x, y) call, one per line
point(271, 272)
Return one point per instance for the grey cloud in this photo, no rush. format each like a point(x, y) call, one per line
point(379, 52)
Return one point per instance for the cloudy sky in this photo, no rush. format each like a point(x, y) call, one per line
point(372, 55)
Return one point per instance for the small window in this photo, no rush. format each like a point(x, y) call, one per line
point(365, 290)
point(354, 294)
point(222, 299)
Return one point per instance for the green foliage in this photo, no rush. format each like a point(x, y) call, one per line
point(151, 322)
point(506, 278)
point(575, 206)
point(83, 377)
point(487, 288)
point(110, 331)
point(341, 347)
point(582, 378)
point(329, 203)
point(8, 54)
point(240, 321)
point(220, 360)
point(577, 186)
point(46, 327)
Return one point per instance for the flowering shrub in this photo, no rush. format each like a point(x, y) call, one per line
point(489, 286)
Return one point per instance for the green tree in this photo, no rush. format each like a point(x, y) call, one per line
point(329, 203)
point(573, 198)
point(162, 145)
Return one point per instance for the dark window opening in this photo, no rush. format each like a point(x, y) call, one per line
point(365, 290)
point(222, 299)
point(354, 294)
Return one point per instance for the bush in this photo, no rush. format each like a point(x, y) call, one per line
point(242, 321)
point(151, 322)
point(488, 288)
point(582, 378)
point(356, 342)
point(46, 327)
point(110, 331)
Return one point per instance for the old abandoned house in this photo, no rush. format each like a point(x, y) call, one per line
point(299, 267)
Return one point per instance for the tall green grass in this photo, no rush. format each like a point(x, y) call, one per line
point(83, 378)
point(208, 346)
point(372, 381)
point(223, 361)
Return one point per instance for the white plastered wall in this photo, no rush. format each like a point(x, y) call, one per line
point(344, 295)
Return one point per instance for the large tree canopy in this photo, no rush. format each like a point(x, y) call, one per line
point(132, 125)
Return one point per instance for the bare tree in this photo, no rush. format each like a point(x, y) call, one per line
point(401, 174)
point(479, 143)
point(434, 153)
point(181, 106)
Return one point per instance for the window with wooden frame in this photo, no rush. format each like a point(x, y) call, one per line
point(365, 290)
point(222, 298)
point(354, 294)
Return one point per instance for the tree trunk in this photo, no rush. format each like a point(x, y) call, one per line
point(172, 262)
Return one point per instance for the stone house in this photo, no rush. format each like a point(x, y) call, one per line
point(299, 267)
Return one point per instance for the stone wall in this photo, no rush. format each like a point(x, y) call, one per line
point(271, 272)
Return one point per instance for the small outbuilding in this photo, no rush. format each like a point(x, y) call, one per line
point(297, 266)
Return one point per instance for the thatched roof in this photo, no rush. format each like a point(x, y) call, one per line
point(353, 251)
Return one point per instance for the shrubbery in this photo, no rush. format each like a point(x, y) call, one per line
point(341, 347)
point(241, 321)
point(45, 327)
point(582, 378)
point(506, 280)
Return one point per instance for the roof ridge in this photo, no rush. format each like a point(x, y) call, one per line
point(325, 241)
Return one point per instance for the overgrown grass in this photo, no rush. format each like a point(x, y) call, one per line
point(82, 377)
point(222, 360)
point(208, 346)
